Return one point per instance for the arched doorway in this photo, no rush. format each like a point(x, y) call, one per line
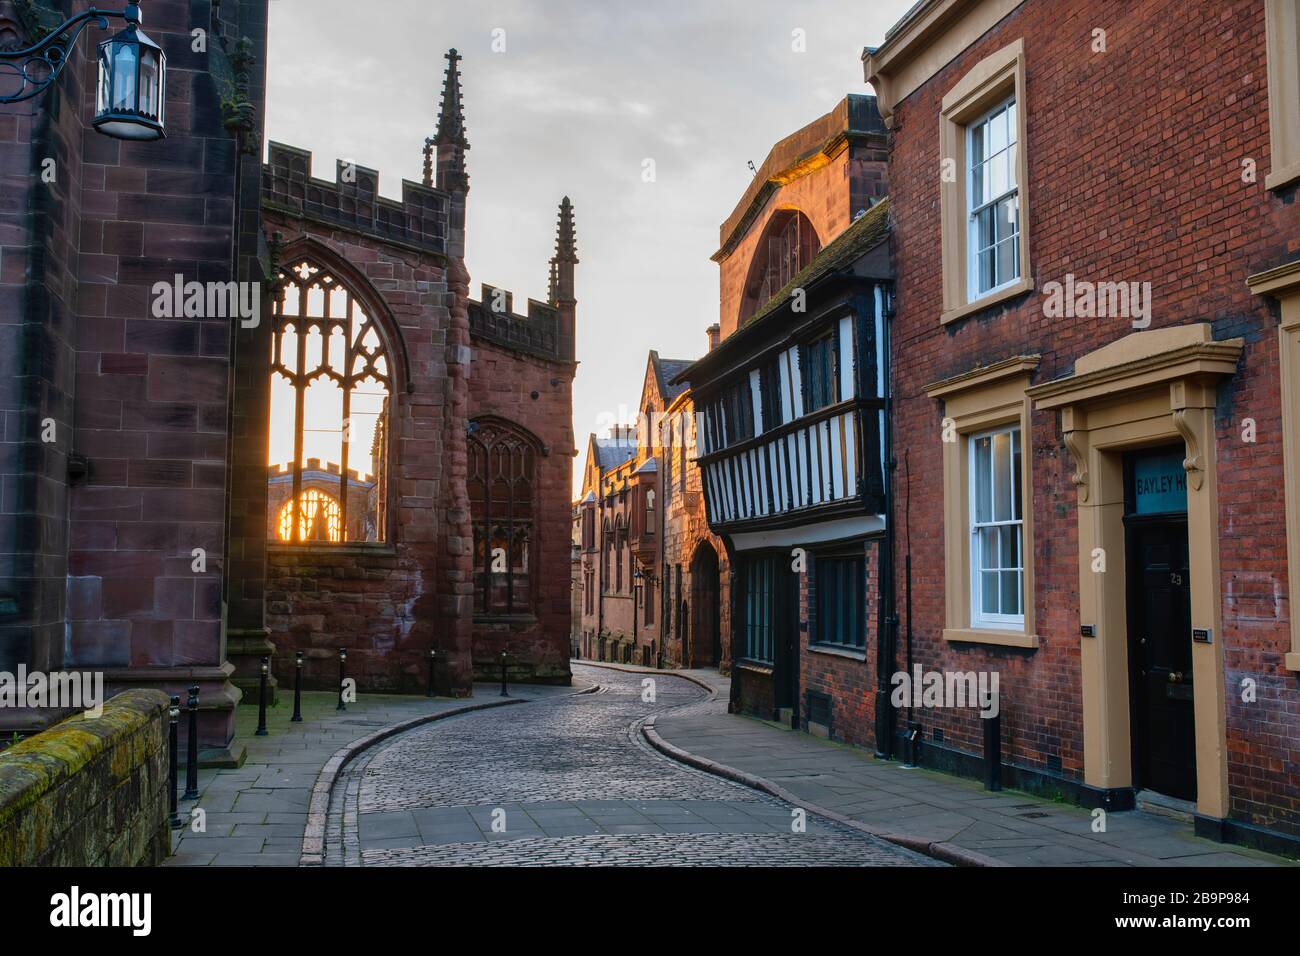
point(704, 644)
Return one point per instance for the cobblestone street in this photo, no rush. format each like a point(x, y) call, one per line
point(565, 781)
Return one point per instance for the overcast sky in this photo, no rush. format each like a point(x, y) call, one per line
point(584, 92)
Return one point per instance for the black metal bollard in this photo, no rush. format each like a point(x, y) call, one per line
point(192, 748)
point(261, 699)
point(993, 752)
point(503, 675)
point(433, 666)
point(343, 676)
point(173, 720)
point(297, 689)
point(912, 746)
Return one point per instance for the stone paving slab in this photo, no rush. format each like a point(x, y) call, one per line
point(1011, 827)
point(256, 814)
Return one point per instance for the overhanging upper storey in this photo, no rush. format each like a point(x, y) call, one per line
point(790, 408)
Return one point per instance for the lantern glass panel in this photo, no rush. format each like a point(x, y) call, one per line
point(148, 82)
point(124, 77)
point(105, 80)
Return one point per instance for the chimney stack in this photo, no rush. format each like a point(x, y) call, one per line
point(714, 332)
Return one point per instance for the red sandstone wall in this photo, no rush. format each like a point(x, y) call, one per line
point(379, 601)
point(822, 196)
point(536, 394)
point(1135, 159)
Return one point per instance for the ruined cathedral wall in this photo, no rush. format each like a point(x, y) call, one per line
point(534, 393)
point(378, 600)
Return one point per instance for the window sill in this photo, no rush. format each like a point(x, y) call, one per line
point(1281, 178)
point(833, 650)
point(755, 667)
point(980, 635)
point(513, 619)
point(376, 548)
point(1293, 661)
point(987, 302)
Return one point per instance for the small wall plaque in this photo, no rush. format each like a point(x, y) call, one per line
point(1203, 635)
point(1087, 630)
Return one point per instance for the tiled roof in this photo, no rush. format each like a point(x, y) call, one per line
point(667, 370)
point(612, 452)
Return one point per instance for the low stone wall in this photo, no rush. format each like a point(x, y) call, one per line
point(89, 792)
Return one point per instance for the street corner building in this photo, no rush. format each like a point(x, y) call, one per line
point(1093, 400)
point(252, 411)
point(790, 406)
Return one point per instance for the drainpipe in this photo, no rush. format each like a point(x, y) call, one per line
point(887, 620)
point(600, 554)
point(665, 585)
point(913, 727)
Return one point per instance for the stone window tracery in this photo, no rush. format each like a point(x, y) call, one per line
point(331, 380)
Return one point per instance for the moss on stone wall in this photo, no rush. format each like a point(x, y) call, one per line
point(89, 792)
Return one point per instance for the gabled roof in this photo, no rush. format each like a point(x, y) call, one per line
point(648, 467)
point(855, 118)
point(666, 370)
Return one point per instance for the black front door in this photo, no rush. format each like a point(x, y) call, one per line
point(1160, 632)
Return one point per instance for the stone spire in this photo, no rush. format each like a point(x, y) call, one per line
point(565, 248)
point(563, 295)
point(450, 138)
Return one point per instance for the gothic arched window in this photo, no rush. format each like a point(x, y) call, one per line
point(787, 247)
point(331, 379)
point(502, 488)
point(319, 517)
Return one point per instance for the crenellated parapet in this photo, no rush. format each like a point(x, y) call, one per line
point(353, 202)
point(493, 319)
point(313, 469)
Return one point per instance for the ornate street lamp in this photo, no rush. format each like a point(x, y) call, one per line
point(132, 81)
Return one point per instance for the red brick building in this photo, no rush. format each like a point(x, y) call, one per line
point(425, 437)
point(1096, 246)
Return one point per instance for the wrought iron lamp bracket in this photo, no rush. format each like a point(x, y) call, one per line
point(38, 66)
